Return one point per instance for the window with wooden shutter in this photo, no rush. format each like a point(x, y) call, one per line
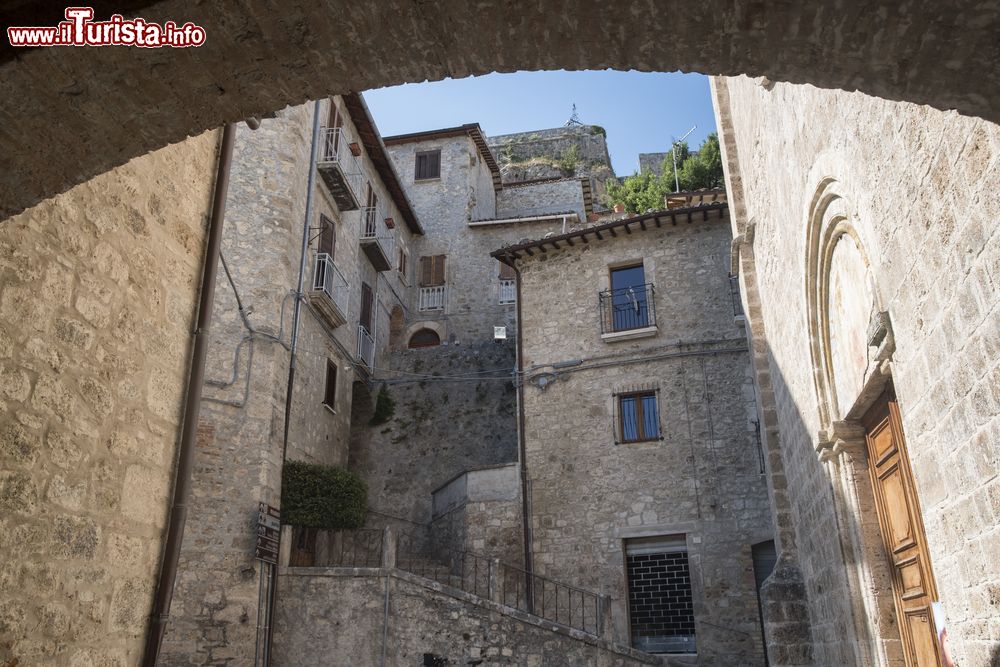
point(330, 389)
point(327, 236)
point(366, 306)
point(432, 270)
point(506, 271)
point(401, 267)
point(428, 165)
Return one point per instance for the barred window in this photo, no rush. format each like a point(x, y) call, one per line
point(661, 604)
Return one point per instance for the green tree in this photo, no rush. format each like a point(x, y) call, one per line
point(639, 192)
point(644, 191)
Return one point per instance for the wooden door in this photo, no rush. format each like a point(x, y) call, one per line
point(898, 510)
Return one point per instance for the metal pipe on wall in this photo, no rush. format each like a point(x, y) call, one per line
point(192, 406)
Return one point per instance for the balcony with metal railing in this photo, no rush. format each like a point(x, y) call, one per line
point(339, 168)
point(377, 239)
point(629, 312)
point(330, 293)
point(431, 298)
point(366, 347)
point(508, 292)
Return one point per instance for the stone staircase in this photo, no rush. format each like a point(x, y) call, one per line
point(467, 587)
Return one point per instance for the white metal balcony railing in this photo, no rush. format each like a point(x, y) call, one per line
point(366, 347)
point(337, 151)
point(508, 292)
point(431, 298)
point(328, 279)
point(374, 228)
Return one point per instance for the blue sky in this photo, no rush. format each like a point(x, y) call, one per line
point(640, 111)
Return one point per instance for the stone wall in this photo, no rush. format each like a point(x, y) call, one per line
point(589, 492)
point(445, 207)
point(454, 411)
point(579, 151)
point(98, 298)
point(420, 620)
point(652, 162)
point(918, 186)
point(239, 457)
point(480, 511)
point(558, 196)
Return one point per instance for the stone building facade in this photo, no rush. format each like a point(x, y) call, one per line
point(604, 483)
point(98, 296)
point(215, 609)
point(869, 259)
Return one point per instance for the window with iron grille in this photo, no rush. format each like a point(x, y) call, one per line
point(428, 165)
point(661, 604)
point(637, 415)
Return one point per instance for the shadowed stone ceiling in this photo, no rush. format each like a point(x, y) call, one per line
point(67, 114)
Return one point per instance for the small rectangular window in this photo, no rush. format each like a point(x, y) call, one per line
point(403, 255)
point(428, 165)
point(627, 303)
point(330, 389)
point(660, 600)
point(638, 417)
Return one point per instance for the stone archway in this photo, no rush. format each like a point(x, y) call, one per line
point(844, 306)
point(72, 113)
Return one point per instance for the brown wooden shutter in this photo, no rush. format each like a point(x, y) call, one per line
point(506, 272)
point(421, 167)
point(366, 306)
point(439, 269)
point(327, 236)
point(426, 271)
point(434, 165)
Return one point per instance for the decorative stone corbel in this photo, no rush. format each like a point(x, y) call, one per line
point(880, 336)
point(842, 437)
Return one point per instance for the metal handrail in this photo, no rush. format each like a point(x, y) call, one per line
point(432, 298)
point(366, 346)
point(343, 548)
point(330, 280)
point(336, 149)
point(509, 585)
point(627, 308)
point(374, 227)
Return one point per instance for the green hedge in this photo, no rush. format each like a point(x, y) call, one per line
point(319, 496)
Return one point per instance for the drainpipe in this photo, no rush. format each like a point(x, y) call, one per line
point(522, 449)
point(293, 347)
point(192, 407)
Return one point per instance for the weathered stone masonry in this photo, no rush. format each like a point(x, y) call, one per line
point(918, 185)
point(98, 292)
point(703, 480)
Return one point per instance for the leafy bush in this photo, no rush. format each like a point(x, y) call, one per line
point(644, 191)
point(320, 496)
point(385, 407)
point(569, 160)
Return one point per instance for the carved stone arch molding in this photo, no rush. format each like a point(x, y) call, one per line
point(850, 341)
point(842, 303)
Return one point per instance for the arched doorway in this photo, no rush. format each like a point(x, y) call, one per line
point(424, 338)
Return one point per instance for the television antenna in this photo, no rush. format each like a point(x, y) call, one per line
point(673, 152)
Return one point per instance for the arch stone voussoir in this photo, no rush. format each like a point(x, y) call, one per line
point(69, 113)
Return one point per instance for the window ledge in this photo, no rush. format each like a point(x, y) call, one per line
point(649, 441)
point(427, 180)
point(330, 408)
point(629, 334)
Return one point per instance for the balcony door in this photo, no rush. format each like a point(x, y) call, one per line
point(336, 122)
point(366, 307)
point(327, 246)
point(629, 304)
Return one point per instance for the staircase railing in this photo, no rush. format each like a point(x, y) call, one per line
point(507, 584)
